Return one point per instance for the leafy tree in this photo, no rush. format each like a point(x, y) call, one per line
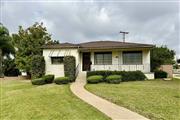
point(160, 56)
point(6, 46)
point(53, 42)
point(28, 43)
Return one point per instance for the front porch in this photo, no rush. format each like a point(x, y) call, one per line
point(119, 60)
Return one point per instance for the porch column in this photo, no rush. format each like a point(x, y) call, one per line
point(92, 57)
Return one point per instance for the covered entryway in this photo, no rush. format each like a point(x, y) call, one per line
point(86, 61)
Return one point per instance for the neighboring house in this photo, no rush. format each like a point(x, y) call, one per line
point(99, 55)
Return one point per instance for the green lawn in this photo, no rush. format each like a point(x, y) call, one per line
point(155, 99)
point(22, 101)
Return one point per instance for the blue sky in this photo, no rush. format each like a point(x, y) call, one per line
point(153, 22)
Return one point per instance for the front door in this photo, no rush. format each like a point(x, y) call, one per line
point(86, 61)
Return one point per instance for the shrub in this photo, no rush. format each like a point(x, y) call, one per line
point(48, 78)
point(70, 67)
point(113, 79)
point(37, 66)
point(160, 74)
point(95, 79)
point(38, 81)
point(9, 67)
point(126, 75)
point(133, 76)
point(103, 73)
point(61, 80)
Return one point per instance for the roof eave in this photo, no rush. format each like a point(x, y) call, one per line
point(93, 48)
point(59, 47)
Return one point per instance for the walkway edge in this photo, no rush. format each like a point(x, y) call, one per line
point(112, 110)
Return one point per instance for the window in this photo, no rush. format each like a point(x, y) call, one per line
point(103, 58)
point(132, 57)
point(57, 60)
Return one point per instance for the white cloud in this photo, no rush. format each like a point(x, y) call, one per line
point(156, 23)
point(103, 16)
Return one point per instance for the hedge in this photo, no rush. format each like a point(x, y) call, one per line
point(104, 73)
point(160, 74)
point(70, 67)
point(133, 76)
point(113, 79)
point(10, 67)
point(38, 81)
point(95, 79)
point(126, 75)
point(37, 66)
point(48, 78)
point(61, 80)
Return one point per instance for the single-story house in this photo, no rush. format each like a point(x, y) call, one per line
point(99, 55)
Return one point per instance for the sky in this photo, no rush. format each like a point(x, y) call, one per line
point(147, 21)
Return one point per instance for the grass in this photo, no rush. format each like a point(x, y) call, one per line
point(22, 101)
point(155, 99)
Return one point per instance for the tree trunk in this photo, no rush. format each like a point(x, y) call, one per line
point(1, 69)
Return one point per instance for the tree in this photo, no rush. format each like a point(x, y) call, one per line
point(6, 46)
point(28, 43)
point(53, 42)
point(160, 56)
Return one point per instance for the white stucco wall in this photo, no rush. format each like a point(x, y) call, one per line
point(146, 56)
point(149, 75)
point(117, 61)
point(58, 69)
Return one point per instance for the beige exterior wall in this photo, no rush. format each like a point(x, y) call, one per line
point(58, 69)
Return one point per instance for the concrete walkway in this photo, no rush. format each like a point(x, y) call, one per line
point(112, 110)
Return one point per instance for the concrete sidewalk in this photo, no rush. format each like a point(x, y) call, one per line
point(112, 110)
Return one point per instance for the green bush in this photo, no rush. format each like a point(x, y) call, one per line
point(48, 78)
point(37, 66)
point(9, 67)
point(38, 81)
point(95, 79)
point(103, 73)
point(133, 76)
point(126, 75)
point(61, 80)
point(113, 79)
point(160, 74)
point(70, 67)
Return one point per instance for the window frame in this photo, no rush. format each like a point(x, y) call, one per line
point(132, 52)
point(61, 57)
point(103, 60)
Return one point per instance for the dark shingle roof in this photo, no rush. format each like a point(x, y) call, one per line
point(112, 44)
point(100, 45)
